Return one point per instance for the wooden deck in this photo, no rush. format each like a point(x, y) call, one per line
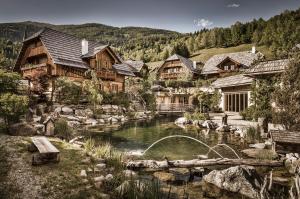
point(173, 108)
point(285, 137)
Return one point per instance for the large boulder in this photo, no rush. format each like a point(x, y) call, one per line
point(240, 179)
point(292, 163)
point(164, 176)
point(23, 129)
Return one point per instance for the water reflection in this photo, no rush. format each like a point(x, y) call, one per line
point(137, 137)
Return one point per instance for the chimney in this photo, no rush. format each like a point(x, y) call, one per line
point(253, 50)
point(194, 64)
point(84, 46)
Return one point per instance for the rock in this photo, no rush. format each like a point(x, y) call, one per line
point(40, 109)
point(181, 174)
point(209, 124)
point(86, 161)
point(72, 118)
point(37, 118)
point(164, 176)
point(112, 120)
point(99, 179)
point(103, 196)
point(98, 185)
point(67, 110)
point(198, 122)
point(240, 179)
point(101, 166)
point(91, 121)
point(129, 174)
point(101, 121)
point(83, 173)
point(181, 120)
point(258, 145)
point(115, 107)
point(223, 128)
point(73, 124)
point(292, 163)
point(260, 153)
point(109, 177)
point(22, 129)
point(198, 171)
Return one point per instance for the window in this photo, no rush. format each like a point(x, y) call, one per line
point(225, 67)
point(232, 67)
point(115, 88)
point(173, 100)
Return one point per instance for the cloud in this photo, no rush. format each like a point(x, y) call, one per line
point(203, 23)
point(234, 5)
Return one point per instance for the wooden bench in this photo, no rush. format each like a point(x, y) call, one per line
point(47, 152)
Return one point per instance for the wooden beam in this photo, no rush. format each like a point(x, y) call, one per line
point(198, 163)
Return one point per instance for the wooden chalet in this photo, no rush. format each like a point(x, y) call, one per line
point(55, 54)
point(220, 64)
point(176, 67)
point(235, 92)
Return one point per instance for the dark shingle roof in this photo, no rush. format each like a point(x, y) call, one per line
point(245, 58)
point(124, 69)
point(137, 65)
point(63, 48)
point(285, 137)
point(235, 80)
point(187, 62)
point(268, 67)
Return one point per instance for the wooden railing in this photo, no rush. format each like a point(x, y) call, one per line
point(170, 75)
point(37, 51)
point(30, 69)
point(174, 107)
point(106, 74)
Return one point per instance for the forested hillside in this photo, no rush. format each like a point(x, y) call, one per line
point(278, 34)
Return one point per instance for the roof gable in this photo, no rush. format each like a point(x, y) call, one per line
point(185, 61)
point(245, 58)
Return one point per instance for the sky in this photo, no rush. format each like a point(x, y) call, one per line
point(178, 15)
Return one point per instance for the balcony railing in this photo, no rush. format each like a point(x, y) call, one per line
point(173, 75)
point(29, 69)
point(37, 51)
point(174, 107)
point(106, 74)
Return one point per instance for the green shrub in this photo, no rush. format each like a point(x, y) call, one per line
point(69, 92)
point(195, 116)
point(89, 145)
point(138, 189)
point(12, 107)
point(249, 113)
point(62, 129)
point(120, 99)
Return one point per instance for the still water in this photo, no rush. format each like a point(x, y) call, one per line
point(138, 136)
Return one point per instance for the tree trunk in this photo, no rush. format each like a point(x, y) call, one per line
point(199, 163)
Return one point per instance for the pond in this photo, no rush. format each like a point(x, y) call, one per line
point(138, 136)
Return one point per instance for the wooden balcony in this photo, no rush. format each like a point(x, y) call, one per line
point(37, 51)
point(107, 75)
point(173, 107)
point(30, 70)
point(174, 75)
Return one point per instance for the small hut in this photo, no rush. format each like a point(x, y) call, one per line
point(285, 141)
point(49, 126)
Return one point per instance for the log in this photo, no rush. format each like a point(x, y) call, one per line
point(198, 163)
